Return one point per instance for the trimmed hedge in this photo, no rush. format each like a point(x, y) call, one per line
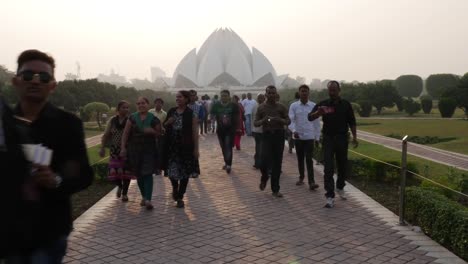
point(443, 220)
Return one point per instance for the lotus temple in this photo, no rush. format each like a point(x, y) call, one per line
point(224, 61)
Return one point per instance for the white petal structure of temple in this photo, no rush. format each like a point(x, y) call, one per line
point(224, 59)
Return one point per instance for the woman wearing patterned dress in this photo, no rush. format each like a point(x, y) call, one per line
point(181, 151)
point(240, 131)
point(112, 138)
point(140, 131)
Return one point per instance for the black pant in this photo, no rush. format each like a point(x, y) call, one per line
point(258, 149)
point(272, 157)
point(226, 141)
point(335, 146)
point(179, 188)
point(290, 139)
point(305, 149)
point(123, 184)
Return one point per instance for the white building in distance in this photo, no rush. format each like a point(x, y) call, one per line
point(225, 61)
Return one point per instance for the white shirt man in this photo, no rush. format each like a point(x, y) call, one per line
point(248, 105)
point(306, 129)
point(305, 134)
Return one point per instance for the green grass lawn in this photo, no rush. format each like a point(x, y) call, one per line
point(83, 200)
point(440, 173)
point(443, 128)
point(435, 113)
point(93, 154)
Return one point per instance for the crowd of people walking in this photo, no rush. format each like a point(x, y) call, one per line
point(150, 142)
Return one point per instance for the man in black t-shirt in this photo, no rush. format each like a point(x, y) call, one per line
point(226, 114)
point(337, 116)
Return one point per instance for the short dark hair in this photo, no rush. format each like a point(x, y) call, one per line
point(186, 95)
point(235, 97)
point(193, 92)
point(224, 91)
point(270, 87)
point(33, 55)
point(304, 86)
point(334, 82)
point(121, 103)
point(159, 99)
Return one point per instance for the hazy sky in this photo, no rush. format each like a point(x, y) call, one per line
point(339, 39)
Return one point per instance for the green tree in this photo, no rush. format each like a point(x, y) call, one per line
point(411, 107)
point(382, 94)
point(96, 108)
point(365, 108)
point(447, 106)
point(436, 83)
point(426, 104)
point(462, 98)
point(409, 85)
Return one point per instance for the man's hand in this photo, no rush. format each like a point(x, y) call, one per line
point(44, 177)
point(296, 135)
point(170, 121)
point(355, 143)
point(321, 110)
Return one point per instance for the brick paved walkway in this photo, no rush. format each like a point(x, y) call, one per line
point(228, 220)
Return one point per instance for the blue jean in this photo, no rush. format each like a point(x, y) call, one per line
point(226, 141)
point(52, 254)
point(248, 124)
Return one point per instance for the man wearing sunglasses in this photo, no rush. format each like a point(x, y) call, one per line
point(49, 187)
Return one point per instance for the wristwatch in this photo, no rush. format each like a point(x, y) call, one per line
point(58, 181)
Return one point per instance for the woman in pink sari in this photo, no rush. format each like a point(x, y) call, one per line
point(240, 131)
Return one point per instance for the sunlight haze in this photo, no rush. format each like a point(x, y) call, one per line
point(340, 39)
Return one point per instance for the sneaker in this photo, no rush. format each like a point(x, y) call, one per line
point(300, 182)
point(262, 186)
point(149, 205)
point(180, 204)
point(330, 202)
point(143, 202)
point(277, 194)
point(124, 198)
point(313, 186)
point(119, 192)
point(341, 193)
point(228, 169)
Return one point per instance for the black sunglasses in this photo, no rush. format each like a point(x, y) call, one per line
point(28, 76)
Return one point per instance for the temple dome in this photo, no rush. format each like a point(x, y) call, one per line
point(224, 59)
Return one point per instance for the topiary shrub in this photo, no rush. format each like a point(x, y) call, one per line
point(447, 107)
point(426, 104)
point(366, 108)
point(411, 107)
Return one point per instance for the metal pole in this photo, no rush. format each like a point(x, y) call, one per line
point(403, 179)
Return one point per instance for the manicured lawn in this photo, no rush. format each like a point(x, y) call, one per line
point(83, 200)
point(93, 154)
point(442, 128)
point(435, 113)
point(440, 173)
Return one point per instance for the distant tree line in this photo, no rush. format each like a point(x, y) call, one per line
point(450, 91)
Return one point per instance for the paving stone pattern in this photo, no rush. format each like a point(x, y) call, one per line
point(227, 219)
